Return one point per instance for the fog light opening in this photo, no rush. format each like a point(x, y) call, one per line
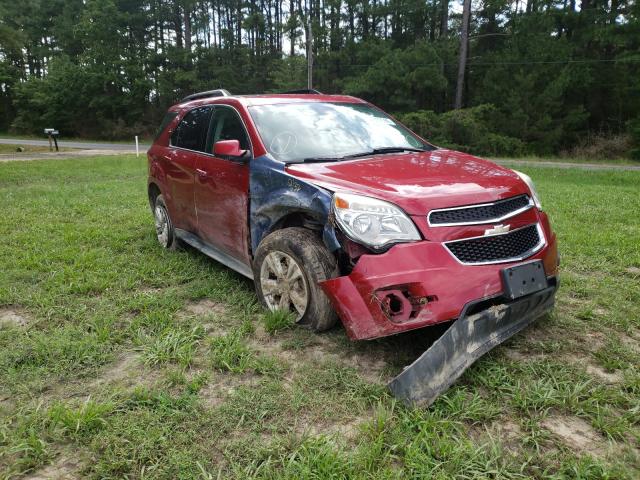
point(396, 305)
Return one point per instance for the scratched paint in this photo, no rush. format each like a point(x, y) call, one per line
point(275, 194)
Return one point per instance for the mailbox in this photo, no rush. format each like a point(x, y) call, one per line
point(52, 134)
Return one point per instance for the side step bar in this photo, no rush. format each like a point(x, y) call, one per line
point(466, 340)
point(214, 253)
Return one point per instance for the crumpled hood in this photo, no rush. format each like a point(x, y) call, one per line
point(417, 182)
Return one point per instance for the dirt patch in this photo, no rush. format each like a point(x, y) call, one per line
point(204, 307)
point(521, 356)
point(224, 385)
point(591, 341)
point(150, 290)
point(206, 310)
point(634, 271)
point(63, 468)
point(505, 431)
point(12, 317)
point(321, 348)
point(576, 434)
point(127, 370)
point(604, 376)
point(631, 343)
point(347, 429)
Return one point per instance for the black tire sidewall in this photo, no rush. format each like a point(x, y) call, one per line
point(315, 261)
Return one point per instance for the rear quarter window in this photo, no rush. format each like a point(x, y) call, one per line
point(168, 118)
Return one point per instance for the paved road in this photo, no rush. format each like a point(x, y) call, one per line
point(70, 144)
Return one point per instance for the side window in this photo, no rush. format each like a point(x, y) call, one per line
point(168, 118)
point(191, 133)
point(227, 125)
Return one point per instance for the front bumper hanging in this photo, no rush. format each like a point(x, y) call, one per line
point(467, 339)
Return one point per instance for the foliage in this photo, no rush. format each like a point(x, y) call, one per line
point(634, 132)
point(556, 73)
point(471, 130)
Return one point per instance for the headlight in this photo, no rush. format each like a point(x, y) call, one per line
point(532, 188)
point(371, 221)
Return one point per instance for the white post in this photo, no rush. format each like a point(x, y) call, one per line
point(137, 147)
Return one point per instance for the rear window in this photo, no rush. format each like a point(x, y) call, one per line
point(168, 118)
point(192, 131)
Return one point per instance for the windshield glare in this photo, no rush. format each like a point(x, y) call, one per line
point(293, 132)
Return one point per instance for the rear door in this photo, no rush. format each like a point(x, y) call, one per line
point(188, 141)
point(222, 188)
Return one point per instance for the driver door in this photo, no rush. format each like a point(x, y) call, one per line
point(222, 188)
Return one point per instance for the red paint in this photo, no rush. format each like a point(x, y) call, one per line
point(431, 271)
point(228, 148)
point(417, 182)
point(221, 189)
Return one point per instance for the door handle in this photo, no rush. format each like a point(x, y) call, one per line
point(201, 173)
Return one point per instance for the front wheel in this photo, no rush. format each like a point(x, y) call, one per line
point(287, 267)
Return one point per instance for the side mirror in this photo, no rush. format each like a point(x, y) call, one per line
point(229, 149)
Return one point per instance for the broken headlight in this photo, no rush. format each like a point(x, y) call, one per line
point(372, 222)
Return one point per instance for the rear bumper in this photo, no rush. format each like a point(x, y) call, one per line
point(414, 285)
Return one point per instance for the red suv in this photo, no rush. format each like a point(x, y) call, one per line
point(336, 210)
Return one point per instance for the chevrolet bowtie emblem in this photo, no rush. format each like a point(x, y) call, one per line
point(498, 229)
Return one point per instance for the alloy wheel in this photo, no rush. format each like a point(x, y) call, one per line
point(283, 284)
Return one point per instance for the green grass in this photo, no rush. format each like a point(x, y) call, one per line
point(241, 393)
point(278, 320)
point(580, 160)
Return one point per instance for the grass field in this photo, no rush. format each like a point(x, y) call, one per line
point(119, 359)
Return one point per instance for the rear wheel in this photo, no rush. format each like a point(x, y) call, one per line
point(288, 265)
point(164, 227)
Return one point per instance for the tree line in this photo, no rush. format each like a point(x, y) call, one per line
point(538, 76)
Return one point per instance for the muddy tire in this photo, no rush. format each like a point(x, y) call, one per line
point(287, 267)
point(165, 232)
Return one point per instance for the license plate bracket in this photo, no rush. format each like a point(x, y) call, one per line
point(524, 279)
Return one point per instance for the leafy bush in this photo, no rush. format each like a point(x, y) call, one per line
point(471, 129)
point(634, 132)
point(603, 146)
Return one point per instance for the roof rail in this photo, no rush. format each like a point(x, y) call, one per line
point(303, 91)
point(210, 93)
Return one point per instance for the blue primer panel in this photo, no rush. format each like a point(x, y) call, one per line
point(273, 194)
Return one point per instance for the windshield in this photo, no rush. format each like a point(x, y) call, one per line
point(297, 132)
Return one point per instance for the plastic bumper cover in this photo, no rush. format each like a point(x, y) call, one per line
point(415, 285)
point(468, 338)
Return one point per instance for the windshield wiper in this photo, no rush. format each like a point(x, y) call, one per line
point(378, 151)
point(321, 159)
point(375, 151)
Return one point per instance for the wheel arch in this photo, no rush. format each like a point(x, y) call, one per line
point(153, 190)
point(279, 200)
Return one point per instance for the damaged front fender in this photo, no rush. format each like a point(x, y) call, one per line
point(275, 194)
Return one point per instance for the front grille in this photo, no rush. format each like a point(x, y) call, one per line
point(511, 246)
point(485, 213)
